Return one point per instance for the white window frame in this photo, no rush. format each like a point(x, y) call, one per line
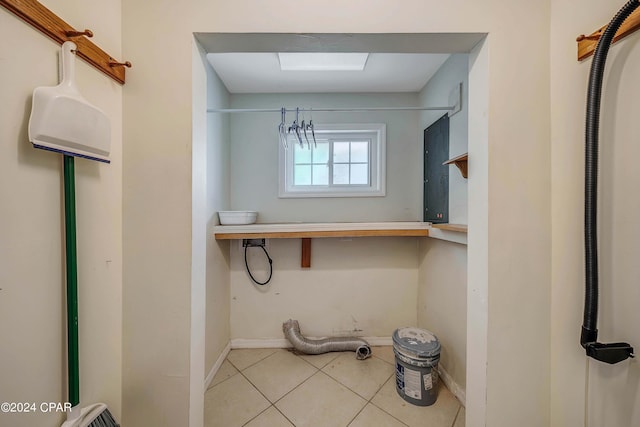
point(377, 164)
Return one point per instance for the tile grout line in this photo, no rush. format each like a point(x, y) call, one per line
point(317, 370)
point(369, 401)
point(356, 415)
point(321, 370)
point(304, 381)
point(290, 391)
point(353, 391)
point(224, 380)
point(305, 360)
point(376, 393)
point(262, 412)
point(268, 400)
point(260, 391)
point(457, 415)
point(285, 417)
point(270, 406)
point(255, 363)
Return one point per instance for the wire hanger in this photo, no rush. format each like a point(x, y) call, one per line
point(282, 128)
point(295, 128)
point(310, 126)
point(305, 126)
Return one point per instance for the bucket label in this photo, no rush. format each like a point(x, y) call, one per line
point(400, 376)
point(428, 382)
point(412, 386)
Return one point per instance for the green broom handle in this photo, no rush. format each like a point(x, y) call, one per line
point(73, 367)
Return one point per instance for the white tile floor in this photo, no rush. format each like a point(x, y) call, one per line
point(275, 387)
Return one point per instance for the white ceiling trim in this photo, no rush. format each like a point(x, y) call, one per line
point(249, 72)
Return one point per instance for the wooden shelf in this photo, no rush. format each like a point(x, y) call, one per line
point(461, 162)
point(587, 44)
point(307, 231)
point(460, 228)
point(313, 230)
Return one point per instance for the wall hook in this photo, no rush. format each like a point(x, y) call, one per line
point(581, 37)
point(74, 33)
point(119, 64)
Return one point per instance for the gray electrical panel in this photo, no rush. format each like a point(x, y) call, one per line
point(436, 175)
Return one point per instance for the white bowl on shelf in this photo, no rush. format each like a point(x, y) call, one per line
point(237, 217)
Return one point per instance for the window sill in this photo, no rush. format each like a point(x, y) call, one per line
point(314, 194)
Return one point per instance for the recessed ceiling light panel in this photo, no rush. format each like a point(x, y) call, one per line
point(322, 61)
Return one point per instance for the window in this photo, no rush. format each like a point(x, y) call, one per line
point(347, 161)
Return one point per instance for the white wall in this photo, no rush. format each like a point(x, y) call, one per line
point(362, 286)
point(613, 391)
point(32, 299)
point(199, 235)
point(477, 386)
point(254, 159)
point(157, 214)
point(218, 198)
point(442, 303)
point(509, 252)
point(436, 92)
point(442, 277)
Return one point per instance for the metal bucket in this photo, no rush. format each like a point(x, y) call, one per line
point(417, 353)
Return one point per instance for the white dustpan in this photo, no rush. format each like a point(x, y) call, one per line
point(63, 121)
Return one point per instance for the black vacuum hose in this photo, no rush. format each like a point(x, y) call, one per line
point(589, 334)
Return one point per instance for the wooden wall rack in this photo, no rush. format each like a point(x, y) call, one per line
point(587, 44)
point(47, 22)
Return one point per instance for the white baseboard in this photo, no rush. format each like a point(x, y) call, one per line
point(453, 387)
point(284, 343)
point(379, 341)
point(260, 343)
point(216, 366)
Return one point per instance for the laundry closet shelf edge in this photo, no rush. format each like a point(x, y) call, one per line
point(312, 230)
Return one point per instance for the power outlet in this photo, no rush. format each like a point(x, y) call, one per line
point(253, 242)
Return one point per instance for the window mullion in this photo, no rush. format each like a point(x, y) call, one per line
point(330, 162)
point(310, 169)
point(349, 173)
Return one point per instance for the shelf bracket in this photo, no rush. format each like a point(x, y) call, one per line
point(587, 44)
point(461, 162)
point(42, 19)
point(305, 258)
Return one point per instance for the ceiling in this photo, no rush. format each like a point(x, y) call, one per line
point(259, 72)
point(398, 62)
